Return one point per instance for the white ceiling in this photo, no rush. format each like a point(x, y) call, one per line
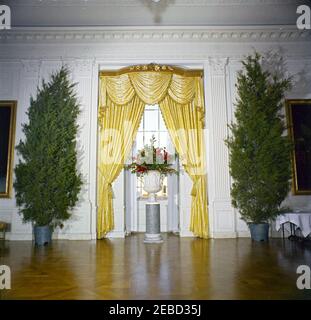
point(39, 13)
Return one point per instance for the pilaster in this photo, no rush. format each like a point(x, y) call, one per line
point(223, 216)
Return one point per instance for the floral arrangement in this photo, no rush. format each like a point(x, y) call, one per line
point(152, 158)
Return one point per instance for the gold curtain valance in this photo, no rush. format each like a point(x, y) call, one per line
point(151, 88)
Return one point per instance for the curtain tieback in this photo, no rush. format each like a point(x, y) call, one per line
point(194, 189)
point(195, 186)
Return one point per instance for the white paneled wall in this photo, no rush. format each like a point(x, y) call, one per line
point(24, 62)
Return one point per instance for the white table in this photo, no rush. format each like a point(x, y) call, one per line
point(301, 220)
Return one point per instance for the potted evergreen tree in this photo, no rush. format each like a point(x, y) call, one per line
point(259, 150)
point(47, 182)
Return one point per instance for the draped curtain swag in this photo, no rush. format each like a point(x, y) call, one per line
point(123, 96)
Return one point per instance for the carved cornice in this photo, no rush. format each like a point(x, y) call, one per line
point(139, 3)
point(153, 34)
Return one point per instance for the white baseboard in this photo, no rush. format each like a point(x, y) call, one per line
point(244, 234)
point(116, 234)
point(186, 234)
point(18, 236)
point(61, 236)
point(224, 235)
point(72, 236)
point(121, 235)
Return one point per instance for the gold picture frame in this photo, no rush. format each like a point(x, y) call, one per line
point(7, 145)
point(299, 128)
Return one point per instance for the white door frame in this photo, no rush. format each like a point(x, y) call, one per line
point(185, 206)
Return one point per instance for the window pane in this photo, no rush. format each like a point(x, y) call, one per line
point(139, 187)
point(148, 136)
point(151, 107)
point(164, 191)
point(141, 127)
point(140, 141)
point(151, 121)
point(164, 140)
point(162, 124)
point(153, 125)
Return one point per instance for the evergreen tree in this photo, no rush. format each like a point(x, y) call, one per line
point(259, 151)
point(47, 181)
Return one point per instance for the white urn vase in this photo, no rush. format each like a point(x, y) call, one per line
point(152, 184)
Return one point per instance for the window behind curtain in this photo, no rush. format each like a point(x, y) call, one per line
point(152, 124)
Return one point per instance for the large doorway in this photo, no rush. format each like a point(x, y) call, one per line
point(147, 91)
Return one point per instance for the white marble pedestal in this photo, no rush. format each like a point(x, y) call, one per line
point(153, 231)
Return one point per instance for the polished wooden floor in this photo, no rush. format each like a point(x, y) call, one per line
point(177, 269)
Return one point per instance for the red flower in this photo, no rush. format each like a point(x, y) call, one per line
point(165, 155)
point(141, 169)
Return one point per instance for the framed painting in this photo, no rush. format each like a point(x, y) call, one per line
point(7, 144)
point(299, 124)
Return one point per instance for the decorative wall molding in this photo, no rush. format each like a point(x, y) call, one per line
point(31, 67)
point(218, 65)
point(154, 34)
point(219, 177)
point(79, 67)
point(139, 3)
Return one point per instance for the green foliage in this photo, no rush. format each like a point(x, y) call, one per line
point(259, 150)
point(47, 182)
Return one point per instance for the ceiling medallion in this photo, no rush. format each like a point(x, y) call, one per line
point(157, 7)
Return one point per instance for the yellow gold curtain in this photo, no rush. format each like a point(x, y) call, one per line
point(122, 100)
point(119, 125)
point(185, 126)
